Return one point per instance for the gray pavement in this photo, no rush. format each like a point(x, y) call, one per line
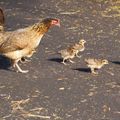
point(52, 91)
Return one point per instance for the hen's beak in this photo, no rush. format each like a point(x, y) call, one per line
point(58, 24)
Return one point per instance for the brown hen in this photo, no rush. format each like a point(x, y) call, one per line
point(22, 42)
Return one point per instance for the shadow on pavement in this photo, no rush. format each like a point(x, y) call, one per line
point(116, 62)
point(4, 63)
point(58, 60)
point(83, 69)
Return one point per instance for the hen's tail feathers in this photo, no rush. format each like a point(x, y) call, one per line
point(2, 19)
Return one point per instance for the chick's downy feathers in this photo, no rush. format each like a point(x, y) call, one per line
point(95, 64)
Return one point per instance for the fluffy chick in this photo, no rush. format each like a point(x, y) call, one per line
point(95, 64)
point(67, 54)
point(79, 47)
point(24, 59)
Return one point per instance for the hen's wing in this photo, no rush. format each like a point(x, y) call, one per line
point(13, 41)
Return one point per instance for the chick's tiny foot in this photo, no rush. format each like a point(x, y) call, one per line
point(95, 73)
point(63, 63)
point(79, 56)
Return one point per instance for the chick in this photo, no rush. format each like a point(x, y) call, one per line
point(67, 54)
point(95, 64)
point(24, 59)
point(79, 47)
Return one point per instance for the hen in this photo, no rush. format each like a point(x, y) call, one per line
point(23, 42)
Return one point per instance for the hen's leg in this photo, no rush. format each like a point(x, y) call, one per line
point(15, 64)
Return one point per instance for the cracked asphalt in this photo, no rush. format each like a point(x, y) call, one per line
point(52, 90)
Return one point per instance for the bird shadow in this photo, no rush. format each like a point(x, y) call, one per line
point(58, 60)
point(116, 62)
point(87, 70)
point(4, 63)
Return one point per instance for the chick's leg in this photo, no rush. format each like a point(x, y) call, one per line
point(93, 71)
point(64, 61)
point(79, 56)
point(18, 67)
point(71, 61)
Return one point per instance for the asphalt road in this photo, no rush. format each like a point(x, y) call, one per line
point(51, 90)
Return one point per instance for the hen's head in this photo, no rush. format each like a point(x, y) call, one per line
point(51, 21)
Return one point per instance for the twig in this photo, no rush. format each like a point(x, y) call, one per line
point(32, 115)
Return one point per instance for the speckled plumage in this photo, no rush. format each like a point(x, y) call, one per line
point(95, 64)
point(67, 54)
point(79, 47)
